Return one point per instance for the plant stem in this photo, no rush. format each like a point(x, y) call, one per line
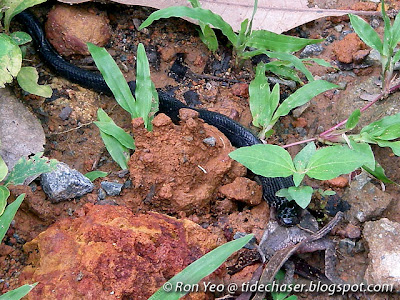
point(298, 143)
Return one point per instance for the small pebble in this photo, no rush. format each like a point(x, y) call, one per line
point(101, 195)
point(315, 49)
point(65, 113)
point(339, 27)
point(111, 188)
point(210, 141)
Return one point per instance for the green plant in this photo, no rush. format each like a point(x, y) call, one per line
point(282, 295)
point(116, 140)
point(23, 169)
point(385, 47)
point(261, 40)
point(199, 269)
point(206, 34)
point(322, 164)
point(264, 103)
point(95, 174)
point(11, 54)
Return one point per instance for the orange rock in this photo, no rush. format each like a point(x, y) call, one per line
point(339, 182)
point(110, 253)
point(240, 89)
point(346, 48)
point(68, 28)
point(244, 190)
point(300, 122)
point(183, 171)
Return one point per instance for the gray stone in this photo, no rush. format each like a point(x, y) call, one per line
point(347, 245)
point(101, 194)
point(210, 141)
point(314, 49)
point(367, 201)
point(383, 241)
point(65, 113)
point(65, 183)
point(111, 188)
point(21, 133)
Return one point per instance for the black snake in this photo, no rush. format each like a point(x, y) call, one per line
point(239, 136)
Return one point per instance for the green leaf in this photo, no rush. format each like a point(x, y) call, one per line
point(283, 71)
point(352, 121)
point(284, 193)
point(20, 37)
point(265, 160)
point(395, 32)
point(10, 59)
point(8, 215)
point(145, 90)
point(118, 152)
point(298, 178)
point(302, 195)
point(204, 15)
point(28, 81)
point(117, 132)
point(15, 7)
point(297, 63)
point(4, 194)
point(330, 162)
point(267, 40)
point(303, 157)
point(328, 193)
point(366, 33)
point(395, 146)
point(396, 57)
point(262, 104)
point(378, 128)
point(18, 293)
point(3, 169)
point(302, 96)
point(390, 133)
point(387, 33)
point(208, 37)
point(33, 166)
point(95, 174)
point(113, 77)
point(379, 173)
point(199, 269)
point(364, 150)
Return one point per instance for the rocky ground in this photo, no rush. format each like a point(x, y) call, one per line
point(183, 196)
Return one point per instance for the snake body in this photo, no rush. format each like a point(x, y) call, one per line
point(239, 136)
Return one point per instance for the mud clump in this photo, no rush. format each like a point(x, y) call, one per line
point(69, 28)
point(110, 253)
point(349, 49)
point(177, 168)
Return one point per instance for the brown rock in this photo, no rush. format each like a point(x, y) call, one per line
point(300, 122)
point(339, 182)
point(359, 56)
point(240, 89)
point(345, 48)
point(110, 253)
point(68, 28)
point(244, 190)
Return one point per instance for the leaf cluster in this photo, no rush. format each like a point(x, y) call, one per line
point(144, 104)
point(11, 53)
point(264, 103)
point(385, 46)
point(262, 40)
point(322, 164)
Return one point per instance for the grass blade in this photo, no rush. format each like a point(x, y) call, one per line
point(302, 96)
point(114, 78)
point(145, 92)
point(199, 269)
point(266, 40)
point(203, 15)
point(117, 132)
point(18, 293)
point(8, 215)
point(366, 33)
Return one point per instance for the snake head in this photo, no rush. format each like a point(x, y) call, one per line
point(289, 214)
